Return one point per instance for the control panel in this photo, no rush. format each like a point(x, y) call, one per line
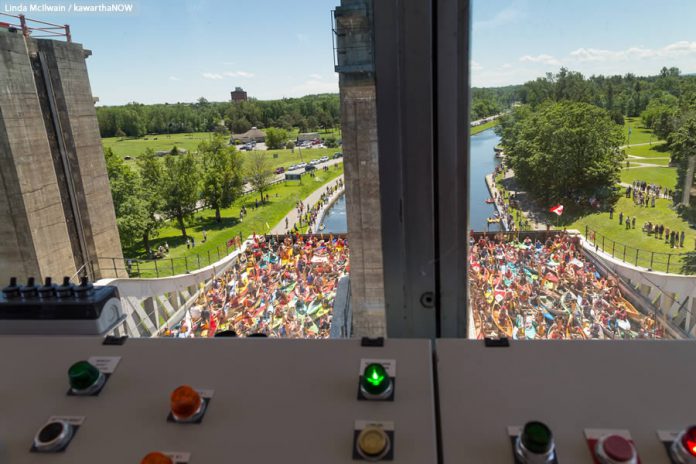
point(625, 402)
point(64, 309)
point(76, 400)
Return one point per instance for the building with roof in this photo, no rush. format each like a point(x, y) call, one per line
point(239, 95)
point(253, 134)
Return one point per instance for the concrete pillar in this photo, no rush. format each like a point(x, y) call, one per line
point(55, 198)
point(361, 162)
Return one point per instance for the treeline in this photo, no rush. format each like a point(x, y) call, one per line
point(177, 185)
point(563, 141)
point(494, 100)
point(627, 95)
point(309, 113)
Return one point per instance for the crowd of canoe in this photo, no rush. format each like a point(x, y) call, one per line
point(280, 287)
point(548, 290)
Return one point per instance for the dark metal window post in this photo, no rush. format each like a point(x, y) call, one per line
point(422, 78)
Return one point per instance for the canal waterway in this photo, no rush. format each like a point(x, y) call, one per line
point(482, 162)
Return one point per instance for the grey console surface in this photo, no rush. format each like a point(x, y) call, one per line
point(288, 401)
point(642, 386)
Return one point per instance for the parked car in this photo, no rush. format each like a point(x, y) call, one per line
point(301, 165)
point(314, 161)
point(323, 159)
point(311, 167)
point(337, 155)
point(280, 170)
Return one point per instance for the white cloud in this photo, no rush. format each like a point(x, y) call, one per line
point(476, 66)
point(675, 50)
point(315, 76)
point(244, 74)
point(506, 66)
point(174, 78)
point(543, 58)
point(214, 76)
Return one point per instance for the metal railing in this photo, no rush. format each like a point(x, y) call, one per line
point(28, 27)
point(164, 267)
point(651, 260)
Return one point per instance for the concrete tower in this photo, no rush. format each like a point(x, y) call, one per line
point(355, 65)
point(56, 210)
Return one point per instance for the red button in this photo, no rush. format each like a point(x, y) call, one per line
point(156, 458)
point(185, 402)
point(689, 440)
point(618, 448)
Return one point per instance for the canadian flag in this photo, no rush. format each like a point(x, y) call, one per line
point(558, 209)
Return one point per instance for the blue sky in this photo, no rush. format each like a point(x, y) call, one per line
point(176, 50)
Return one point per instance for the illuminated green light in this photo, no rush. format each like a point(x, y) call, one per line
point(375, 379)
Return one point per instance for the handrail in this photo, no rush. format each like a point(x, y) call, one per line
point(650, 260)
point(27, 29)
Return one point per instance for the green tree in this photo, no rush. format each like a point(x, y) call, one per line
point(152, 177)
point(222, 174)
point(565, 151)
point(129, 203)
point(331, 141)
point(260, 173)
point(683, 144)
point(180, 190)
point(276, 138)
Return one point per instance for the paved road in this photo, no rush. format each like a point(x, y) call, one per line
point(293, 216)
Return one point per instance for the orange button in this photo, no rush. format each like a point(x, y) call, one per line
point(156, 458)
point(185, 402)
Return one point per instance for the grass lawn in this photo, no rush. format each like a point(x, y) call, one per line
point(639, 133)
point(190, 142)
point(630, 240)
point(483, 127)
point(666, 177)
point(656, 150)
point(160, 142)
point(218, 234)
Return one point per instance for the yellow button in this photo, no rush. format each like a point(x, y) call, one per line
point(156, 458)
point(373, 441)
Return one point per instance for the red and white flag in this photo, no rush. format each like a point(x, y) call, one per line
point(558, 209)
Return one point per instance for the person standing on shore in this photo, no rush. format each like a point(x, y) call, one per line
point(611, 212)
point(620, 218)
point(633, 225)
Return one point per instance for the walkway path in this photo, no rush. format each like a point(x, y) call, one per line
point(293, 216)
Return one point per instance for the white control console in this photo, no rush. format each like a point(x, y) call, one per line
point(252, 401)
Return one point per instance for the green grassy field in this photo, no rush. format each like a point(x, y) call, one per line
point(664, 176)
point(218, 234)
point(639, 133)
point(635, 239)
point(483, 127)
point(190, 141)
point(656, 150)
point(160, 142)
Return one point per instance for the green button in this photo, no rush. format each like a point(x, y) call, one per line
point(537, 437)
point(375, 379)
point(83, 375)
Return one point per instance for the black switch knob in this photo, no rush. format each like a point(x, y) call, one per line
point(12, 290)
point(84, 289)
point(30, 290)
point(48, 290)
point(66, 289)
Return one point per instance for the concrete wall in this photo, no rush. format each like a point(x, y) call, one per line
point(38, 226)
point(361, 156)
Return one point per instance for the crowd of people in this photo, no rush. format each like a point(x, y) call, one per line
point(308, 214)
point(547, 289)
point(280, 287)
